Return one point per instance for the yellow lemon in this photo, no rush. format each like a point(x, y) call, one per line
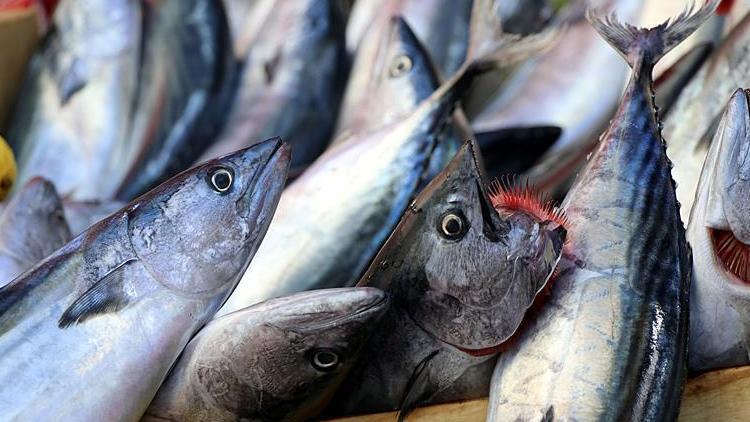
point(7, 169)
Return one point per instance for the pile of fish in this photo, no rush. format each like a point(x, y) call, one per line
point(283, 210)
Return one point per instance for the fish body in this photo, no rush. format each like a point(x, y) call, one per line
point(74, 107)
point(281, 359)
point(187, 82)
point(32, 226)
point(610, 344)
point(461, 276)
point(115, 306)
point(565, 87)
point(359, 189)
point(291, 82)
point(718, 233)
point(693, 118)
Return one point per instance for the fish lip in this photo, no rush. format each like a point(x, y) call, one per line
point(277, 161)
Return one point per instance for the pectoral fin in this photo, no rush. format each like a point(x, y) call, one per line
point(106, 296)
point(419, 388)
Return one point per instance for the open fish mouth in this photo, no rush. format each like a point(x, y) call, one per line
point(732, 255)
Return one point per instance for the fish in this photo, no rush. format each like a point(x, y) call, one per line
point(332, 220)
point(391, 75)
point(564, 88)
point(610, 343)
point(115, 306)
point(277, 360)
point(73, 108)
point(81, 215)
point(32, 226)
point(693, 119)
point(442, 26)
point(187, 81)
point(461, 275)
point(295, 68)
point(718, 232)
point(525, 17)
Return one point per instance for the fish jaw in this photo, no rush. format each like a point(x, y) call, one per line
point(219, 231)
point(720, 292)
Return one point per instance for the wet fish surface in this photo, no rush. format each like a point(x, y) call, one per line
point(692, 121)
point(359, 189)
point(611, 343)
point(566, 88)
point(187, 82)
point(32, 226)
point(73, 111)
point(291, 82)
point(461, 276)
point(718, 232)
point(115, 306)
point(278, 360)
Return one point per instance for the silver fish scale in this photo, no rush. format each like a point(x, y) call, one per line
point(619, 301)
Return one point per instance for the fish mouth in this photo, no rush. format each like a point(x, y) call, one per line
point(732, 255)
point(268, 181)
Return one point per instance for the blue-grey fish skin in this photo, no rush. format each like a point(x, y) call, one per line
point(73, 110)
point(291, 80)
point(115, 306)
point(275, 351)
point(611, 343)
point(187, 81)
point(32, 226)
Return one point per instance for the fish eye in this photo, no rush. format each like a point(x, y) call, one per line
point(400, 65)
point(220, 179)
point(325, 360)
point(452, 225)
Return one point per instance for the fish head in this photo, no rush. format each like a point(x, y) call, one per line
point(197, 232)
point(463, 271)
point(721, 213)
point(304, 347)
point(403, 68)
point(36, 220)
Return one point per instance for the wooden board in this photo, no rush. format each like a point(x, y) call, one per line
point(19, 32)
point(716, 396)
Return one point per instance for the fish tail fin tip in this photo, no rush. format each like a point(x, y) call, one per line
point(638, 45)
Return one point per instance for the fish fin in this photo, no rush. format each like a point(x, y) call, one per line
point(418, 389)
point(103, 297)
point(643, 47)
point(490, 47)
point(72, 80)
point(514, 150)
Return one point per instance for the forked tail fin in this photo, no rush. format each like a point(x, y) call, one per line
point(645, 46)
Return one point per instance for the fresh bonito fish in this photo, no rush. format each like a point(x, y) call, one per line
point(693, 119)
point(73, 111)
point(566, 88)
point(359, 189)
point(187, 81)
point(32, 226)
point(461, 276)
point(114, 307)
point(719, 233)
point(611, 342)
point(292, 80)
point(278, 360)
point(441, 25)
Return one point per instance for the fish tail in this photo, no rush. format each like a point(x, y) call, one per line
point(490, 47)
point(643, 47)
